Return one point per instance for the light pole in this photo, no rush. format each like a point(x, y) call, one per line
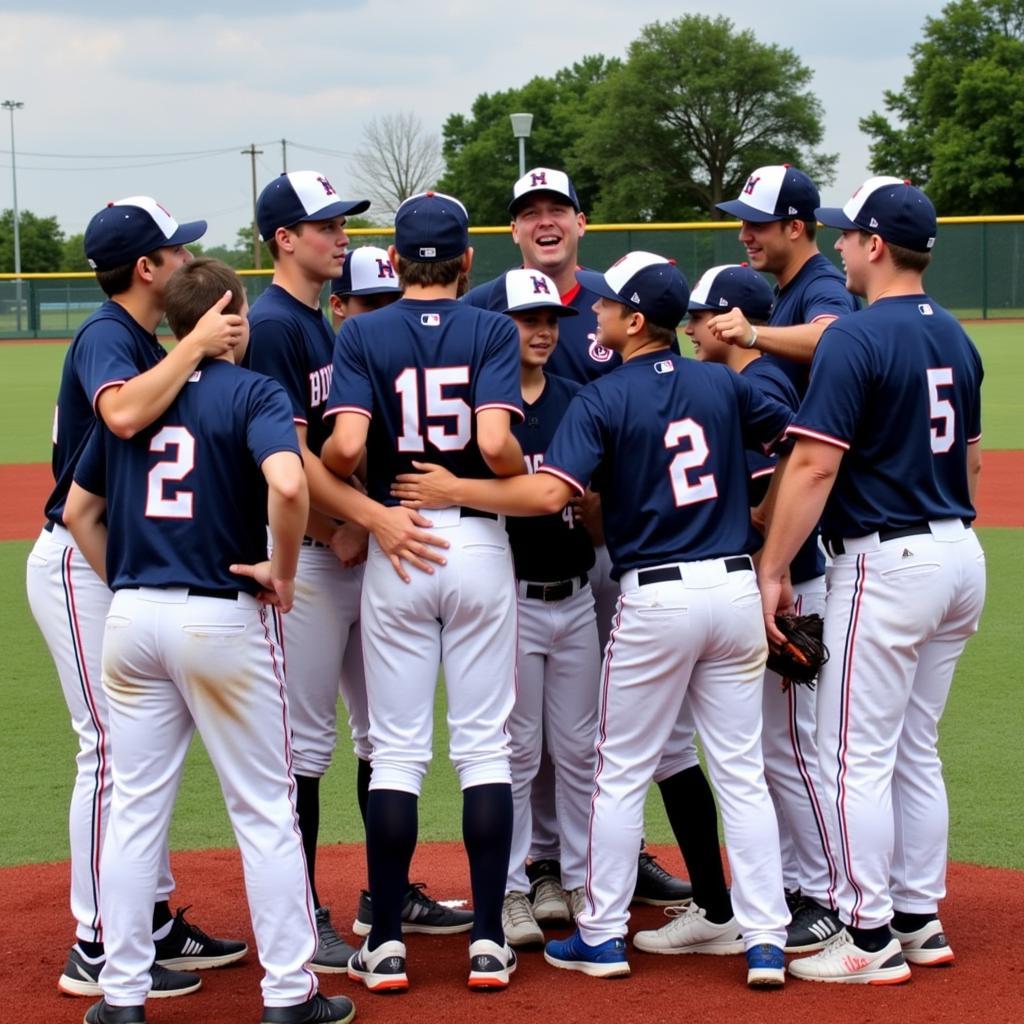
point(521, 125)
point(12, 106)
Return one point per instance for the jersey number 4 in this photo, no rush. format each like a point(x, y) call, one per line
point(158, 505)
point(450, 437)
point(703, 486)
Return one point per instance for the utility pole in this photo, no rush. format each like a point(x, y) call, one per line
point(253, 152)
point(12, 106)
point(284, 156)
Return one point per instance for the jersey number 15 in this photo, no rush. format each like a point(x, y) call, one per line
point(450, 437)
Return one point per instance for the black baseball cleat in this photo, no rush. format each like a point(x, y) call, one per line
point(317, 1010)
point(812, 927)
point(190, 947)
point(419, 914)
point(103, 1013)
point(82, 978)
point(656, 887)
point(332, 951)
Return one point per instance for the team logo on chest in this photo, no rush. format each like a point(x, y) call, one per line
point(597, 351)
point(320, 385)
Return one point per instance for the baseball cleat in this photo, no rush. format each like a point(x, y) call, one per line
point(577, 899)
point(419, 914)
point(605, 960)
point(689, 931)
point(382, 969)
point(766, 966)
point(656, 887)
point(189, 947)
point(518, 922)
point(103, 1013)
point(332, 951)
point(81, 978)
point(812, 927)
point(490, 965)
point(926, 947)
point(844, 962)
point(317, 1010)
point(549, 906)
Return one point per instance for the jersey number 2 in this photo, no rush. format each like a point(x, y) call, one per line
point(170, 470)
point(435, 380)
point(703, 487)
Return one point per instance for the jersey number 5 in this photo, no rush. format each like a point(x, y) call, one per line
point(170, 470)
point(703, 487)
point(435, 380)
point(941, 409)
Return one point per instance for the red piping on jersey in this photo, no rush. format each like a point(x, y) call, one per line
point(101, 389)
point(514, 409)
point(815, 436)
point(564, 477)
point(339, 409)
point(824, 318)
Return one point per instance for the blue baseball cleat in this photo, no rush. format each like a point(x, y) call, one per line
point(605, 960)
point(766, 966)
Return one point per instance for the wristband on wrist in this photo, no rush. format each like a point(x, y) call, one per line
point(753, 337)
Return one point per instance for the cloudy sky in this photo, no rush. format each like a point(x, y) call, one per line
point(121, 100)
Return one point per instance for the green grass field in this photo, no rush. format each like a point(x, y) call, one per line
point(979, 741)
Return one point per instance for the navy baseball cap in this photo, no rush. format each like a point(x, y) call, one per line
point(543, 179)
point(298, 196)
point(733, 285)
point(889, 207)
point(521, 290)
point(645, 282)
point(775, 192)
point(431, 227)
point(128, 228)
point(366, 271)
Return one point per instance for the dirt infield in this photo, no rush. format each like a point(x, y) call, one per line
point(25, 489)
point(984, 907)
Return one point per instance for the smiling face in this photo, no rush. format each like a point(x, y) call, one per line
point(854, 248)
point(769, 246)
point(706, 347)
point(538, 335)
point(548, 231)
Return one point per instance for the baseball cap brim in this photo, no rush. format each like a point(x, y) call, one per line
point(191, 231)
point(697, 306)
point(519, 201)
point(595, 282)
point(741, 211)
point(342, 208)
point(551, 306)
point(833, 217)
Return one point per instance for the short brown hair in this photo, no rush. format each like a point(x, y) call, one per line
point(425, 274)
point(271, 242)
point(908, 259)
point(119, 279)
point(195, 287)
point(655, 332)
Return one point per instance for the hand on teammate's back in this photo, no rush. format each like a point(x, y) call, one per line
point(278, 592)
point(216, 332)
point(432, 486)
point(399, 532)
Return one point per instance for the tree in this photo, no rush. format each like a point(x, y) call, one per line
point(41, 238)
point(958, 127)
point(695, 107)
point(397, 158)
point(483, 156)
point(73, 259)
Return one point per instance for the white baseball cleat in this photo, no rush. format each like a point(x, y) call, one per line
point(927, 947)
point(518, 922)
point(844, 962)
point(690, 931)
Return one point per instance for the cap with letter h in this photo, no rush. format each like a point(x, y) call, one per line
point(526, 290)
point(366, 271)
point(733, 286)
point(129, 228)
point(650, 284)
point(543, 179)
point(298, 196)
point(774, 192)
point(431, 227)
point(890, 207)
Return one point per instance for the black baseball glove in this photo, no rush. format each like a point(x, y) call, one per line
point(800, 658)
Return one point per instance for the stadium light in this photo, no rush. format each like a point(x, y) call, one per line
point(12, 106)
point(521, 125)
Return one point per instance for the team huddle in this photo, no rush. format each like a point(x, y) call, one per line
point(527, 486)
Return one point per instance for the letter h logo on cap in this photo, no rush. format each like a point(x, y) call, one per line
point(540, 285)
point(538, 178)
point(751, 184)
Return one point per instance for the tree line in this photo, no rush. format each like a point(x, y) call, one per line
point(673, 128)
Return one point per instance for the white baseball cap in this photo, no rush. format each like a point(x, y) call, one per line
point(128, 228)
point(775, 192)
point(366, 271)
point(298, 196)
point(643, 281)
point(543, 179)
point(530, 289)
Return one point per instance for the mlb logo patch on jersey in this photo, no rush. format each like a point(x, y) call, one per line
point(194, 379)
point(925, 309)
point(430, 319)
point(665, 366)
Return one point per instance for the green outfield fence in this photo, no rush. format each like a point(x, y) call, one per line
point(978, 271)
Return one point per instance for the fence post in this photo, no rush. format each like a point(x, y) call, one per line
point(984, 270)
point(33, 308)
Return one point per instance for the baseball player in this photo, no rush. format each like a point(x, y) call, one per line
point(168, 517)
point(367, 282)
point(547, 225)
point(303, 222)
point(670, 431)
point(117, 371)
point(428, 374)
point(887, 453)
point(776, 207)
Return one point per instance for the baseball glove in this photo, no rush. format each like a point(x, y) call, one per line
point(800, 658)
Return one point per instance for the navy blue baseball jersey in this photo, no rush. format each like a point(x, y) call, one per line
point(185, 497)
point(108, 349)
point(897, 386)
point(294, 345)
point(554, 547)
point(818, 291)
point(663, 437)
point(809, 562)
point(421, 371)
point(577, 356)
